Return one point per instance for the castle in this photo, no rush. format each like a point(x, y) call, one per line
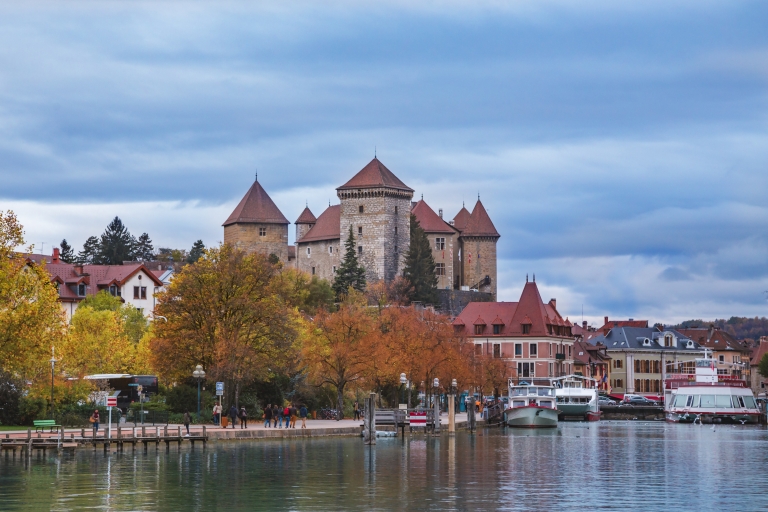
point(377, 206)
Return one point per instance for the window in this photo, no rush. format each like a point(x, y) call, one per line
point(569, 351)
point(479, 329)
point(440, 269)
point(496, 329)
point(395, 248)
point(313, 270)
point(395, 229)
point(360, 209)
point(518, 349)
point(526, 370)
point(334, 269)
point(395, 210)
point(526, 328)
point(721, 358)
point(309, 251)
point(113, 290)
point(136, 292)
point(440, 243)
point(143, 292)
point(478, 350)
point(81, 290)
point(359, 249)
point(262, 231)
point(359, 230)
point(550, 369)
point(497, 350)
point(617, 363)
point(550, 350)
point(534, 350)
point(330, 249)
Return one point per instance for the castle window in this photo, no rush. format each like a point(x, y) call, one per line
point(534, 350)
point(361, 209)
point(395, 248)
point(440, 269)
point(395, 210)
point(334, 269)
point(395, 229)
point(440, 243)
point(330, 249)
point(359, 249)
point(360, 230)
point(262, 231)
point(313, 270)
point(309, 251)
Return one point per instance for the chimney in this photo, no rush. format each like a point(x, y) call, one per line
point(584, 325)
point(440, 212)
point(606, 320)
point(553, 303)
point(78, 270)
point(55, 257)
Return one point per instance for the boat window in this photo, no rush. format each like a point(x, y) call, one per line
point(545, 403)
point(738, 401)
point(689, 400)
point(707, 400)
point(723, 401)
point(679, 401)
point(749, 402)
point(518, 403)
point(695, 401)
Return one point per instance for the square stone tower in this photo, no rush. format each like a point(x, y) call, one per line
point(378, 206)
point(478, 246)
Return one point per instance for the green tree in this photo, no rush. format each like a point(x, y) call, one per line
point(90, 252)
point(196, 252)
point(67, 254)
point(116, 244)
point(420, 266)
point(762, 366)
point(350, 273)
point(133, 322)
point(144, 250)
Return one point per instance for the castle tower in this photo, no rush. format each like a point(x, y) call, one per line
point(378, 206)
point(304, 223)
point(257, 225)
point(478, 244)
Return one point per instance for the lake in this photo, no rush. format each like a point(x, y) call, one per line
point(605, 465)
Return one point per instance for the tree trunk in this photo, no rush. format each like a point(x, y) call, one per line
point(237, 395)
point(339, 402)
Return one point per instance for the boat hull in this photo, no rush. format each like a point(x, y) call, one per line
point(577, 412)
point(735, 418)
point(531, 417)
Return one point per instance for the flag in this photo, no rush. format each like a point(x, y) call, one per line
point(459, 254)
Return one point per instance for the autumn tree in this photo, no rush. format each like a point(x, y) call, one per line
point(420, 266)
point(224, 313)
point(133, 322)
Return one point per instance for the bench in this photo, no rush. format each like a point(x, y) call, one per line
point(41, 425)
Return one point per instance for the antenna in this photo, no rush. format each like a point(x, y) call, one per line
point(257, 174)
point(534, 278)
point(374, 151)
point(526, 278)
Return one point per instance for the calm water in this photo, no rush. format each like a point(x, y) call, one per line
point(611, 465)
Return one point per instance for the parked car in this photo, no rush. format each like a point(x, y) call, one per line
point(638, 400)
point(606, 401)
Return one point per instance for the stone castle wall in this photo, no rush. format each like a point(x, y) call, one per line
point(301, 230)
point(479, 260)
point(444, 256)
point(324, 256)
point(246, 237)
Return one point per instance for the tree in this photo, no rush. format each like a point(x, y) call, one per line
point(133, 321)
point(90, 253)
point(420, 266)
point(143, 250)
point(337, 350)
point(116, 244)
point(350, 273)
point(196, 252)
point(762, 366)
point(67, 254)
point(31, 319)
point(168, 255)
point(224, 313)
point(305, 292)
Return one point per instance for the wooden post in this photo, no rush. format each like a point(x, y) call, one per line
point(451, 415)
point(471, 424)
point(369, 423)
point(436, 420)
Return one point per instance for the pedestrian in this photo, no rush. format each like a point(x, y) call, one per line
point(233, 414)
point(303, 414)
point(274, 416)
point(287, 416)
point(187, 421)
point(268, 415)
point(293, 415)
point(217, 415)
point(243, 418)
point(94, 419)
point(356, 411)
point(280, 417)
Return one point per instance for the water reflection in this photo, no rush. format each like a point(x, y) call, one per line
point(628, 465)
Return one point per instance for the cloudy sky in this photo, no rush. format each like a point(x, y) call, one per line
point(621, 148)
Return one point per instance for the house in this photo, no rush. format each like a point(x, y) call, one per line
point(641, 356)
point(592, 361)
point(758, 382)
point(530, 335)
point(732, 356)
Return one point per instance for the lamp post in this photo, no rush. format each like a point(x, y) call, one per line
point(403, 382)
point(452, 409)
point(53, 365)
point(198, 374)
point(436, 385)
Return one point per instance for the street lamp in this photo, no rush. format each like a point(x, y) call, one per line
point(436, 384)
point(53, 365)
point(198, 374)
point(403, 381)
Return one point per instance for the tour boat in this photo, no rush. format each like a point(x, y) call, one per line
point(576, 397)
point(706, 397)
point(531, 406)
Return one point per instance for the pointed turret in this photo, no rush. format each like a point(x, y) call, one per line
point(478, 242)
point(479, 223)
point(304, 223)
point(256, 207)
point(461, 219)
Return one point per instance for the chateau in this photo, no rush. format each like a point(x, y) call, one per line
point(376, 206)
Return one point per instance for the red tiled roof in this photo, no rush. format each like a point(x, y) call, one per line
point(497, 321)
point(479, 223)
point(306, 217)
point(758, 352)
point(375, 175)
point(429, 221)
point(715, 339)
point(458, 322)
point(461, 219)
point(479, 321)
point(98, 277)
point(256, 207)
point(327, 227)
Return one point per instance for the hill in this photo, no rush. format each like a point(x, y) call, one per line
point(737, 326)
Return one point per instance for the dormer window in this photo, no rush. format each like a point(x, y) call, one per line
point(668, 340)
point(496, 329)
point(646, 342)
point(113, 290)
point(526, 328)
point(479, 329)
point(81, 290)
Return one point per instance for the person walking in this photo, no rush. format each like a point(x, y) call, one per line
point(356, 407)
point(243, 418)
point(303, 414)
point(233, 414)
point(293, 413)
point(187, 421)
point(94, 419)
point(268, 415)
point(274, 416)
point(217, 415)
point(280, 418)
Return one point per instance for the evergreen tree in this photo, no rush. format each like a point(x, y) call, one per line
point(350, 272)
point(67, 254)
point(116, 245)
point(144, 250)
point(420, 266)
point(90, 252)
point(196, 252)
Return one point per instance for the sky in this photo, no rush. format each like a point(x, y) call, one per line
point(621, 148)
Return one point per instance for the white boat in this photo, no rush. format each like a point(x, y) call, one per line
point(576, 397)
point(531, 406)
point(706, 397)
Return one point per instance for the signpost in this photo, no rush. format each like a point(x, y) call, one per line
point(111, 402)
point(220, 393)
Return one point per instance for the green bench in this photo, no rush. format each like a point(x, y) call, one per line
point(41, 425)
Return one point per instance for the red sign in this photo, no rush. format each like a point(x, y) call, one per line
point(418, 418)
point(111, 401)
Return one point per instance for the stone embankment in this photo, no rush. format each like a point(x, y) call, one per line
point(633, 412)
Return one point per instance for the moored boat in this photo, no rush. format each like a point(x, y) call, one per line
point(531, 406)
point(576, 397)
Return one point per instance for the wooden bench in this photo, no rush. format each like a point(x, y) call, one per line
point(41, 425)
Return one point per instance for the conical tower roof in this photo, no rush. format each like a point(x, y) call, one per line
point(256, 208)
point(375, 175)
point(429, 221)
point(306, 217)
point(480, 223)
point(530, 310)
point(461, 219)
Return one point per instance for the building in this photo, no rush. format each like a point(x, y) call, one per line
point(529, 335)
point(376, 205)
point(133, 282)
point(732, 356)
point(756, 381)
point(592, 361)
point(641, 356)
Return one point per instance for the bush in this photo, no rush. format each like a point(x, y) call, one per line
point(181, 398)
point(10, 396)
point(30, 409)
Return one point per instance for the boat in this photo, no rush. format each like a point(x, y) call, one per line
point(576, 397)
point(531, 406)
point(706, 397)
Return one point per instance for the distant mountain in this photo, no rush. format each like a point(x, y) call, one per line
point(737, 326)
